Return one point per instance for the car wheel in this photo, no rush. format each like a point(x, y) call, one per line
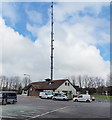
point(13, 102)
point(88, 101)
point(76, 100)
point(4, 102)
point(54, 98)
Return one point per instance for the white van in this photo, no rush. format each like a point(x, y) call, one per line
point(83, 98)
point(45, 95)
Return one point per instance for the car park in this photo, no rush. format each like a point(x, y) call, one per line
point(8, 97)
point(82, 98)
point(46, 95)
point(60, 97)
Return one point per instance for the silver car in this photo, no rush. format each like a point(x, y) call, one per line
point(60, 97)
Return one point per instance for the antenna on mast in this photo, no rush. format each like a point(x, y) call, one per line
point(52, 39)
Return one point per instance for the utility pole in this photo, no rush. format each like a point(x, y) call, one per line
point(29, 80)
point(52, 39)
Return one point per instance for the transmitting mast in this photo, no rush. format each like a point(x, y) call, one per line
point(52, 39)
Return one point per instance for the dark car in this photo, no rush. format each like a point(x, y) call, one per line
point(3, 99)
point(8, 97)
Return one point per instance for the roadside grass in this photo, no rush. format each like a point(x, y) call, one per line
point(103, 97)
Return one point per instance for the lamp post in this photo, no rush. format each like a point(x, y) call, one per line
point(28, 76)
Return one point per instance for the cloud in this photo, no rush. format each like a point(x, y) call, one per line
point(34, 16)
point(75, 52)
point(70, 9)
point(87, 27)
point(32, 28)
point(78, 33)
point(79, 59)
point(75, 48)
point(21, 55)
point(56, 1)
point(9, 11)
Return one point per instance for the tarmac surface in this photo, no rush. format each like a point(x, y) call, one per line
point(28, 108)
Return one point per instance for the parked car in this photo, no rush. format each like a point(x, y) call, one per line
point(8, 97)
point(83, 98)
point(60, 97)
point(93, 98)
point(45, 95)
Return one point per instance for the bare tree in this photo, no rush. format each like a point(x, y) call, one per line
point(10, 83)
point(73, 78)
point(80, 81)
point(86, 81)
point(3, 84)
point(109, 80)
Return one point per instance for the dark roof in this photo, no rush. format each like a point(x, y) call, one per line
point(47, 85)
point(7, 91)
point(26, 87)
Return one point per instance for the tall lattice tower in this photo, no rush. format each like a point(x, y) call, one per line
point(52, 40)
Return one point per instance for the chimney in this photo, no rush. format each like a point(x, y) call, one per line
point(48, 80)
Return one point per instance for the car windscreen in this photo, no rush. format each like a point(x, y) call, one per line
point(0, 95)
point(63, 95)
point(80, 96)
point(11, 94)
point(49, 94)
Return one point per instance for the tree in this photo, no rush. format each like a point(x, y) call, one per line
point(80, 81)
point(109, 80)
point(20, 88)
point(10, 83)
point(3, 84)
point(73, 80)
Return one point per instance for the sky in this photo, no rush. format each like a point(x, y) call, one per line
point(81, 39)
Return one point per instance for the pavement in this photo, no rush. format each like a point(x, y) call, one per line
point(32, 108)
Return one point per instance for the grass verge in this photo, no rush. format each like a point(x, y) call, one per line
point(103, 97)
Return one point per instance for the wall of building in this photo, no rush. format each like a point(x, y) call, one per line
point(33, 92)
point(66, 86)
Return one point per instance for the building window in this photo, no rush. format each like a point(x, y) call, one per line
point(50, 83)
point(68, 84)
point(65, 84)
point(31, 89)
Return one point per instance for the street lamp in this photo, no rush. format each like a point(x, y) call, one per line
point(28, 76)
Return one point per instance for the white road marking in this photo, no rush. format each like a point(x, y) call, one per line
point(22, 115)
point(46, 113)
point(14, 116)
point(7, 117)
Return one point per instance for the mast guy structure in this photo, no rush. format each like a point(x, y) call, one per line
point(52, 39)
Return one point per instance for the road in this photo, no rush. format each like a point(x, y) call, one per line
point(28, 108)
